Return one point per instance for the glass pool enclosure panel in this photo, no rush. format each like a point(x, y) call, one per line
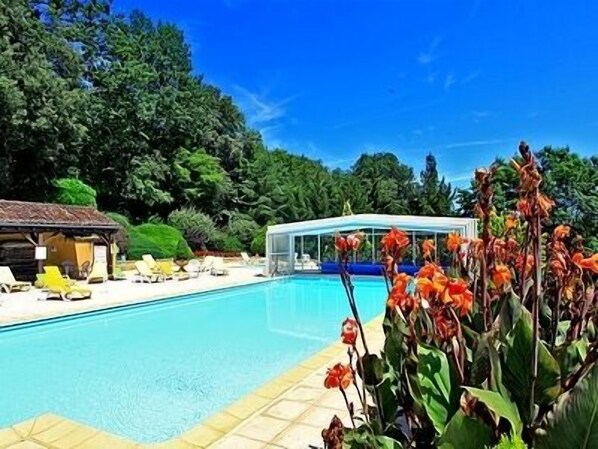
point(280, 250)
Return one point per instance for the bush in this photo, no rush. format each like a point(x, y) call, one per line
point(119, 218)
point(197, 227)
point(258, 244)
point(122, 237)
point(226, 243)
point(244, 228)
point(159, 240)
point(74, 192)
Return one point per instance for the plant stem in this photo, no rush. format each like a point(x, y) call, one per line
point(348, 405)
point(555, 317)
point(535, 312)
point(362, 397)
point(526, 243)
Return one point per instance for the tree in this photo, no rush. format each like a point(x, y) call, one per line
point(74, 192)
point(435, 195)
point(197, 228)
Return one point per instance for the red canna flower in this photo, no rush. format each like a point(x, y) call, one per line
point(524, 207)
point(340, 243)
point(339, 376)
point(396, 240)
point(428, 248)
point(589, 263)
point(501, 275)
point(349, 331)
point(399, 297)
point(558, 265)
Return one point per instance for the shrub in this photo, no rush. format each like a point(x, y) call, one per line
point(74, 192)
point(119, 218)
point(122, 237)
point(159, 240)
point(258, 244)
point(243, 227)
point(197, 227)
point(502, 343)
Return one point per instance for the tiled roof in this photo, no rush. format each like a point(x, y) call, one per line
point(26, 214)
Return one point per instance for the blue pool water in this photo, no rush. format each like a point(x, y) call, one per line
point(151, 372)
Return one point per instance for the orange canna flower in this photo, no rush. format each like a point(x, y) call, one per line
point(429, 270)
point(589, 263)
point(561, 231)
point(454, 241)
point(349, 331)
point(339, 376)
point(394, 241)
point(425, 287)
point(354, 240)
point(558, 265)
point(340, 243)
point(545, 204)
point(440, 282)
point(428, 248)
point(511, 222)
point(399, 297)
point(501, 275)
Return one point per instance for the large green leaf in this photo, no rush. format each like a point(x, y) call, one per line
point(573, 424)
point(499, 405)
point(517, 367)
point(437, 386)
point(464, 432)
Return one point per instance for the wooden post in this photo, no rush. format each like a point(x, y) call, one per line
point(40, 242)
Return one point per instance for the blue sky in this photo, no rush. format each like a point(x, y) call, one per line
point(465, 80)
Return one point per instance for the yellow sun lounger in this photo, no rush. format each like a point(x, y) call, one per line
point(166, 268)
point(59, 288)
point(99, 273)
point(8, 283)
point(53, 273)
point(146, 274)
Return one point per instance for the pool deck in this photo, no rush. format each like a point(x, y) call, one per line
point(289, 411)
point(16, 308)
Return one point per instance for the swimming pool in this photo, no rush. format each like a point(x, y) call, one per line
point(151, 372)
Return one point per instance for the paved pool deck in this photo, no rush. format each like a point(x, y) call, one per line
point(288, 412)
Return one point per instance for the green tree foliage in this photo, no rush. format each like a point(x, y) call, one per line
point(435, 196)
point(74, 192)
point(197, 227)
point(113, 101)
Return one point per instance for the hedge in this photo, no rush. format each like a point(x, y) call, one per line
point(159, 240)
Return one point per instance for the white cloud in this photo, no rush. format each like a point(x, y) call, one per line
point(428, 56)
point(474, 143)
point(258, 108)
point(449, 81)
point(472, 76)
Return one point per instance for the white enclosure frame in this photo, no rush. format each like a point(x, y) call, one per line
point(280, 239)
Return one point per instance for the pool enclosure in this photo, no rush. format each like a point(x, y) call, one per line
point(308, 246)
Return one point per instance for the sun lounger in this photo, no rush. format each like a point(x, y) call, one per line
point(246, 259)
point(146, 274)
point(151, 263)
point(193, 268)
point(99, 273)
point(218, 267)
point(59, 288)
point(207, 263)
point(53, 273)
point(168, 272)
point(8, 283)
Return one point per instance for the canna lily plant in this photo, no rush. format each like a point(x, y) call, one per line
point(499, 347)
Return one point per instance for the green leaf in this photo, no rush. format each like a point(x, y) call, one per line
point(373, 370)
point(437, 385)
point(464, 432)
point(574, 422)
point(517, 368)
point(500, 406)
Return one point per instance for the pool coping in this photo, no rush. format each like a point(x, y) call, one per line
point(53, 431)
